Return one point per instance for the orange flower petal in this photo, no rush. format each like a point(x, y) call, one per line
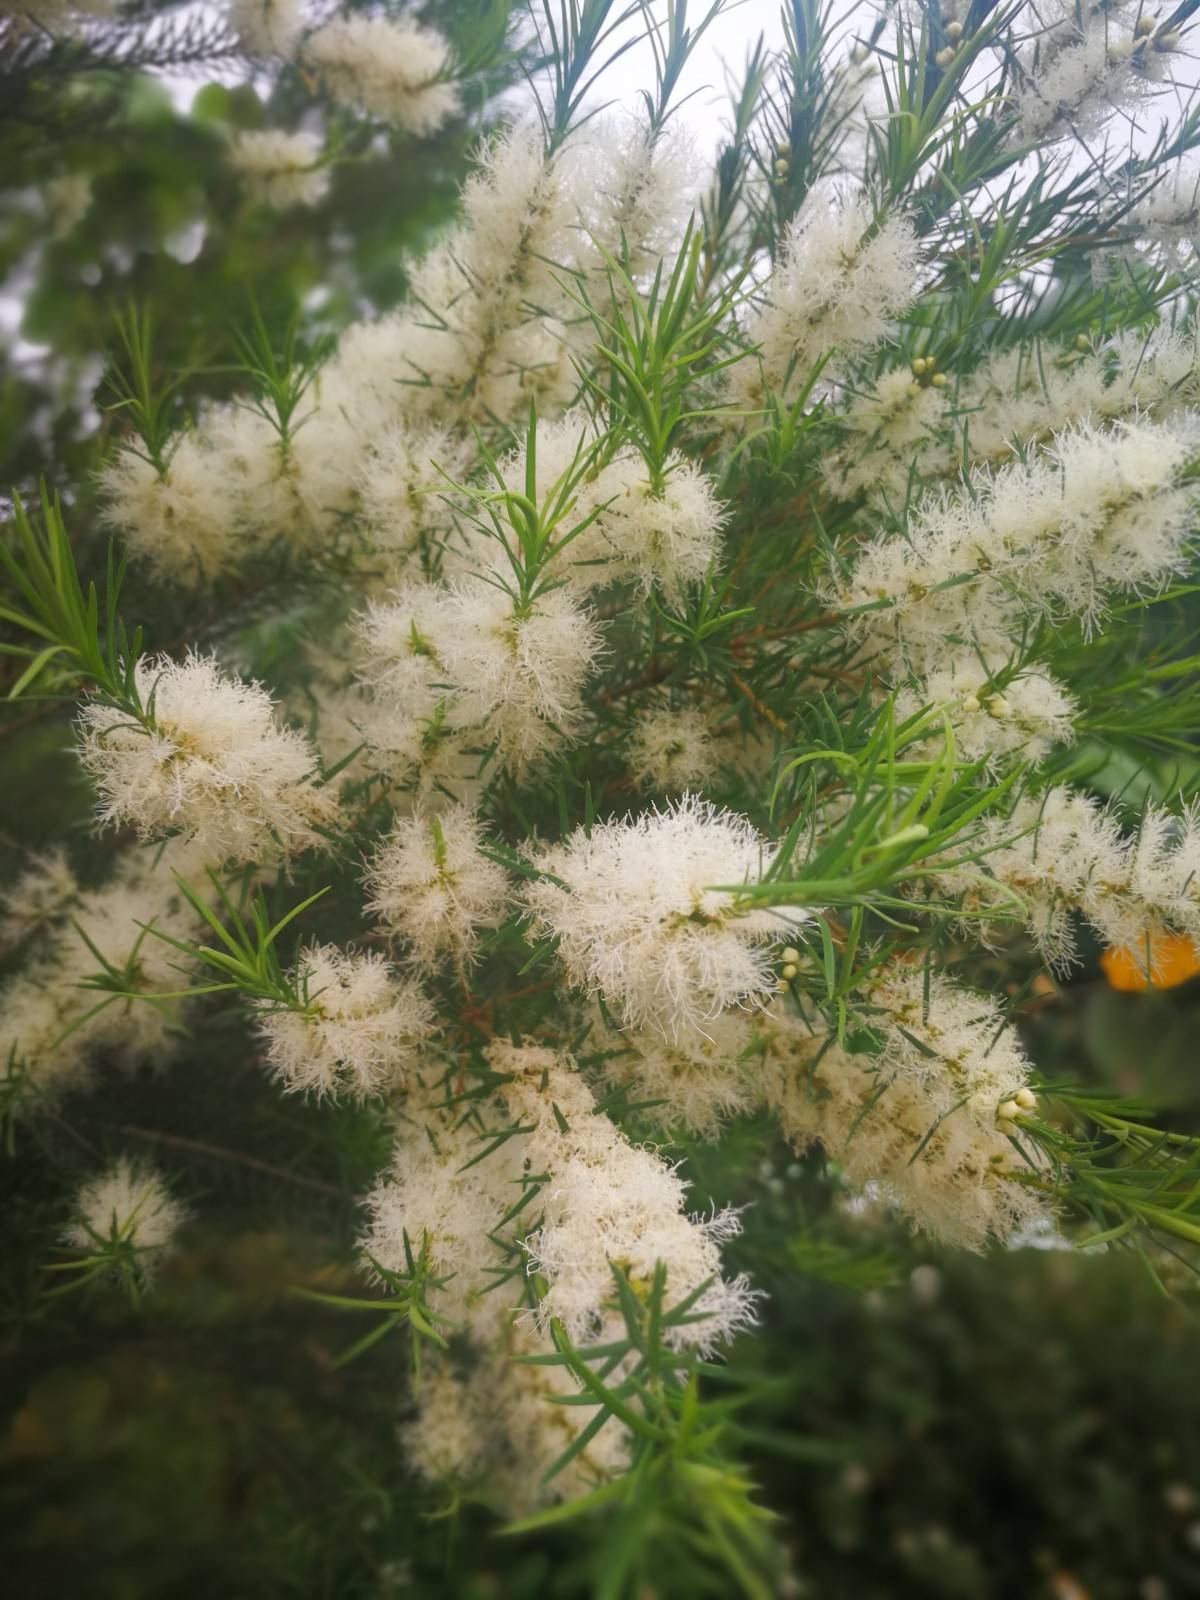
point(1173, 960)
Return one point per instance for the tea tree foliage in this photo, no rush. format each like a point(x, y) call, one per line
point(697, 664)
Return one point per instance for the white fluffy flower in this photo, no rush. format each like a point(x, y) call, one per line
point(402, 641)
point(39, 898)
point(42, 1055)
point(130, 1203)
point(513, 680)
point(214, 767)
point(1025, 718)
point(646, 910)
point(671, 748)
point(1087, 63)
point(698, 1081)
point(1039, 863)
point(636, 193)
point(281, 169)
point(267, 27)
point(895, 433)
point(1099, 511)
point(499, 1430)
point(608, 1202)
point(304, 491)
point(952, 1040)
point(401, 485)
point(481, 340)
point(182, 524)
point(52, 1018)
point(929, 1131)
point(446, 1441)
point(395, 69)
point(125, 925)
point(670, 535)
point(425, 763)
point(531, 1431)
point(1061, 853)
point(1169, 216)
point(843, 277)
point(432, 885)
point(439, 1197)
point(361, 1031)
point(519, 676)
point(1156, 372)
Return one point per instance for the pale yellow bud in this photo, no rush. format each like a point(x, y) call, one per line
point(939, 380)
point(1026, 1099)
point(945, 57)
point(954, 30)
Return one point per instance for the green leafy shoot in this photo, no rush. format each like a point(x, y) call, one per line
point(909, 818)
point(245, 957)
point(533, 528)
point(280, 377)
point(684, 1499)
point(1111, 1166)
point(150, 410)
point(654, 345)
point(46, 598)
point(404, 1305)
point(112, 1255)
point(579, 40)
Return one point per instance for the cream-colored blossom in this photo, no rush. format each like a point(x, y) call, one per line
point(360, 1031)
point(647, 912)
point(1098, 512)
point(391, 67)
point(497, 1429)
point(213, 765)
point(927, 1131)
point(671, 748)
point(267, 27)
point(482, 336)
point(439, 1197)
point(510, 678)
point(281, 169)
point(432, 885)
point(1061, 854)
point(843, 276)
point(697, 1082)
point(39, 898)
point(183, 522)
point(130, 1203)
point(609, 1203)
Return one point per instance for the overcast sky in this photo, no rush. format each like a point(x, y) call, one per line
point(721, 53)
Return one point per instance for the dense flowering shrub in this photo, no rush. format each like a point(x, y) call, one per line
point(704, 590)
